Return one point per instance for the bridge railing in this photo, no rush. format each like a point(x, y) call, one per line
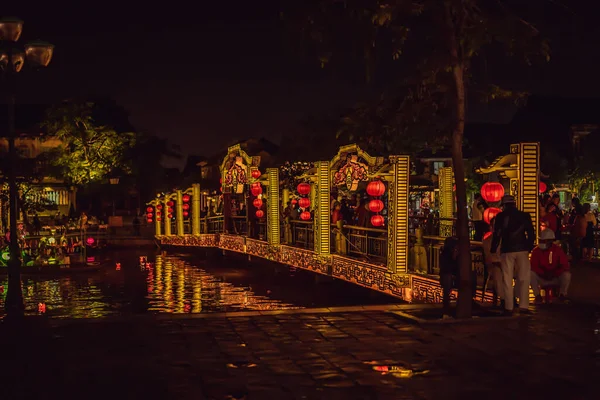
point(214, 224)
point(366, 242)
point(431, 225)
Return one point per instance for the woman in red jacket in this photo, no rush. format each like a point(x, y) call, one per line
point(549, 267)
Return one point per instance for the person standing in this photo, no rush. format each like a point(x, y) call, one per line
point(477, 209)
point(514, 233)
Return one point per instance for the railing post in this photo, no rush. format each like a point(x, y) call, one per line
point(179, 213)
point(446, 201)
point(196, 209)
point(397, 260)
point(322, 225)
point(273, 233)
point(166, 218)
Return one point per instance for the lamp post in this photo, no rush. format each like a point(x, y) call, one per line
point(12, 59)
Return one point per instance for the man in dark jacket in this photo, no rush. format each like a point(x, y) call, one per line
point(514, 232)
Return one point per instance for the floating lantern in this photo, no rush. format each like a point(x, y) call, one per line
point(185, 198)
point(490, 213)
point(260, 213)
point(90, 241)
point(377, 220)
point(304, 202)
point(149, 209)
point(543, 187)
point(256, 174)
point(257, 203)
point(376, 206)
point(376, 188)
point(256, 189)
point(304, 188)
point(492, 191)
point(185, 206)
point(304, 215)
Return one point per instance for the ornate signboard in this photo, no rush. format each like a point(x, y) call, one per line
point(351, 173)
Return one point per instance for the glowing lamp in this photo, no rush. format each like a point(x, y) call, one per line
point(149, 215)
point(170, 204)
point(186, 214)
point(118, 266)
point(377, 220)
point(149, 209)
point(170, 210)
point(376, 205)
point(158, 207)
point(90, 241)
point(260, 213)
point(304, 215)
point(170, 216)
point(490, 213)
point(256, 189)
point(186, 198)
point(257, 203)
point(492, 191)
point(256, 174)
point(304, 202)
point(294, 202)
point(149, 220)
point(185, 206)
point(10, 29)
point(376, 189)
point(543, 187)
point(303, 188)
point(39, 53)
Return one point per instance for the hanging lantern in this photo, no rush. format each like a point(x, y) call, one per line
point(304, 188)
point(376, 188)
point(149, 209)
point(149, 215)
point(490, 213)
point(170, 216)
point(376, 206)
point(492, 191)
point(256, 189)
point(158, 213)
point(170, 210)
point(90, 241)
point(260, 213)
point(185, 198)
point(294, 202)
point(377, 220)
point(257, 203)
point(158, 218)
point(185, 206)
point(170, 203)
point(543, 187)
point(186, 214)
point(256, 174)
point(149, 220)
point(159, 207)
point(304, 215)
point(304, 202)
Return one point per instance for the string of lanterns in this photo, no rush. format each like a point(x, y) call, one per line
point(256, 190)
point(376, 189)
point(186, 205)
point(492, 192)
point(304, 202)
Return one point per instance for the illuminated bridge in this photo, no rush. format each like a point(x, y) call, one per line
point(294, 215)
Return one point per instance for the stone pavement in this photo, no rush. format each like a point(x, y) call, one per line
point(304, 355)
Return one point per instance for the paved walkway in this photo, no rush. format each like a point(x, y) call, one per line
point(325, 355)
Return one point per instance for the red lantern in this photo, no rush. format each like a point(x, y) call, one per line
point(490, 213)
point(260, 213)
point(304, 215)
point(186, 214)
point(170, 203)
point(149, 220)
point(149, 215)
point(170, 210)
point(492, 191)
point(257, 203)
point(158, 213)
point(158, 219)
point(376, 189)
point(304, 202)
point(186, 198)
point(377, 220)
point(149, 209)
point(376, 206)
point(256, 189)
point(294, 202)
point(159, 207)
point(543, 187)
point(304, 188)
point(487, 235)
point(170, 216)
point(185, 206)
point(256, 174)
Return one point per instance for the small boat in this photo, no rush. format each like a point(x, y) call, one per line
point(73, 268)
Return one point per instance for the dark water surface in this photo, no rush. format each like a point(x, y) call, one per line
point(183, 283)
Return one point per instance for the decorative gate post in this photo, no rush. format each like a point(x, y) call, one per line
point(322, 226)
point(446, 200)
point(179, 213)
point(196, 209)
point(273, 234)
point(166, 218)
point(397, 259)
point(529, 181)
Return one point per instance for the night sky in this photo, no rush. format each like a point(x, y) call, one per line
point(205, 75)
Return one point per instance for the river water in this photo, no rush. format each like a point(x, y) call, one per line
point(183, 283)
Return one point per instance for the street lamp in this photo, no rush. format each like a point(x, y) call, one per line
point(12, 59)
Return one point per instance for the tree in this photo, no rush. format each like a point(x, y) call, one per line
point(439, 43)
point(90, 150)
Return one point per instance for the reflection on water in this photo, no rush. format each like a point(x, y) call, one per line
point(159, 285)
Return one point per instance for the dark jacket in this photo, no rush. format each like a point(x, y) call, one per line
point(515, 229)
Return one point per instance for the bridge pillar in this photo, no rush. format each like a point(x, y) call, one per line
point(179, 213)
point(527, 190)
point(166, 217)
point(273, 227)
point(397, 259)
point(322, 225)
point(196, 209)
point(446, 199)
